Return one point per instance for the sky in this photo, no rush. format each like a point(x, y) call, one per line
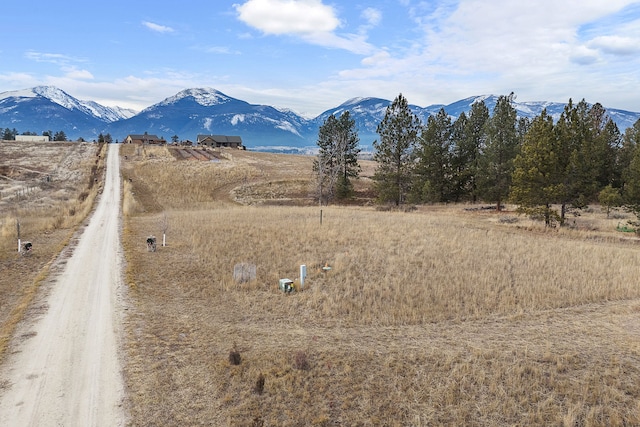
point(312, 55)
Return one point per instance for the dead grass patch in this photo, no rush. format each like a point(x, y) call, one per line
point(437, 316)
point(50, 188)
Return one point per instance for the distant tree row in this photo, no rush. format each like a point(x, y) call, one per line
point(10, 135)
point(106, 138)
point(536, 164)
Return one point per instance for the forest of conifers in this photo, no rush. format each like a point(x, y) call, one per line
point(545, 165)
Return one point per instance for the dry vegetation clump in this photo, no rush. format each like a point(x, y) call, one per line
point(437, 316)
point(50, 188)
point(234, 356)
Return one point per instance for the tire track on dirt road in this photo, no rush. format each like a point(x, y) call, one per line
point(64, 367)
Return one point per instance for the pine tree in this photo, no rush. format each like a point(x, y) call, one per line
point(60, 136)
point(610, 197)
point(590, 143)
point(569, 130)
point(394, 153)
point(469, 137)
point(460, 164)
point(537, 174)
point(432, 180)
point(500, 150)
point(601, 141)
point(630, 140)
point(325, 165)
point(631, 191)
point(348, 148)
point(607, 144)
point(9, 135)
point(337, 160)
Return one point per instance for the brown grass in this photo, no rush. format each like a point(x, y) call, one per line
point(50, 188)
point(439, 316)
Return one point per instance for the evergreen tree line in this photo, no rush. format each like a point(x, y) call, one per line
point(10, 135)
point(547, 167)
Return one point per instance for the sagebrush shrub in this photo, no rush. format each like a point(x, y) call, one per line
point(234, 357)
point(259, 388)
point(301, 361)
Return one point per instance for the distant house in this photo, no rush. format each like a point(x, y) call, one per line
point(217, 141)
point(143, 139)
point(32, 138)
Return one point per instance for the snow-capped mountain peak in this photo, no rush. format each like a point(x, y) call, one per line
point(58, 96)
point(353, 101)
point(63, 99)
point(207, 110)
point(49, 92)
point(109, 114)
point(479, 98)
point(206, 97)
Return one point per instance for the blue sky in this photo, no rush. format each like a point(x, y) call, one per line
point(312, 55)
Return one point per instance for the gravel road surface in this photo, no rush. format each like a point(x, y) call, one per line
point(64, 368)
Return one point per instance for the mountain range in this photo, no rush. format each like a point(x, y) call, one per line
point(207, 111)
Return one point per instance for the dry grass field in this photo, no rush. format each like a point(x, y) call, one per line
point(50, 189)
point(435, 316)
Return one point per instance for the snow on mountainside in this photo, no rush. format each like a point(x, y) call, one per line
point(208, 111)
point(109, 114)
point(60, 97)
point(206, 97)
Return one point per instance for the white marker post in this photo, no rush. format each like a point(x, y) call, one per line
point(303, 274)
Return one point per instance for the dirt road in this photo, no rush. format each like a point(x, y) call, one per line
point(64, 368)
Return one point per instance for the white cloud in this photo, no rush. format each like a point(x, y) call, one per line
point(583, 55)
point(544, 50)
point(475, 46)
point(217, 50)
point(53, 58)
point(372, 16)
point(502, 33)
point(352, 42)
point(288, 16)
point(615, 45)
point(129, 92)
point(157, 27)
point(311, 20)
point(379, 58)
point(74, 73)
point(18, 81)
